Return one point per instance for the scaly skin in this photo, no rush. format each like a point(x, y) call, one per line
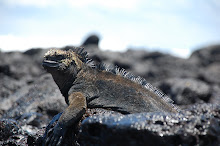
point(85, 86)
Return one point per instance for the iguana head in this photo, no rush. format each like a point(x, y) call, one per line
point(64, 65)
point(61, 61)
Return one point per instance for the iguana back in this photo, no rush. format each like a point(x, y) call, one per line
point(118, 90)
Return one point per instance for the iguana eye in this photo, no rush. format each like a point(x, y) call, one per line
point(60, 57)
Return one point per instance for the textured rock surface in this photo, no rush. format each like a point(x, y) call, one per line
point(40, 97)
point(207, 55)
point(29, 99)
point(186, 91)
point(199, 125)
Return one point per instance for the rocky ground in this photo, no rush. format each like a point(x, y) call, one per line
point(29, 99)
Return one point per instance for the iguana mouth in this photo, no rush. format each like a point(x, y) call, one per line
point(49, 63)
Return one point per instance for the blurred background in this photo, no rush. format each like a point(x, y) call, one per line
point(176, 27)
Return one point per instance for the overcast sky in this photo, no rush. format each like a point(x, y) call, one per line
point(174, 26)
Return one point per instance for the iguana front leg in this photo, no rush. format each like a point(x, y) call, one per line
point(73, 113)
point(55, 118)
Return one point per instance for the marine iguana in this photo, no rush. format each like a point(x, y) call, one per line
point(85, 85)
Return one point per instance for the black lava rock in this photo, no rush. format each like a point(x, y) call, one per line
point(91, 40)
point(198, 125)
point(186, 91)
point(207, 55)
